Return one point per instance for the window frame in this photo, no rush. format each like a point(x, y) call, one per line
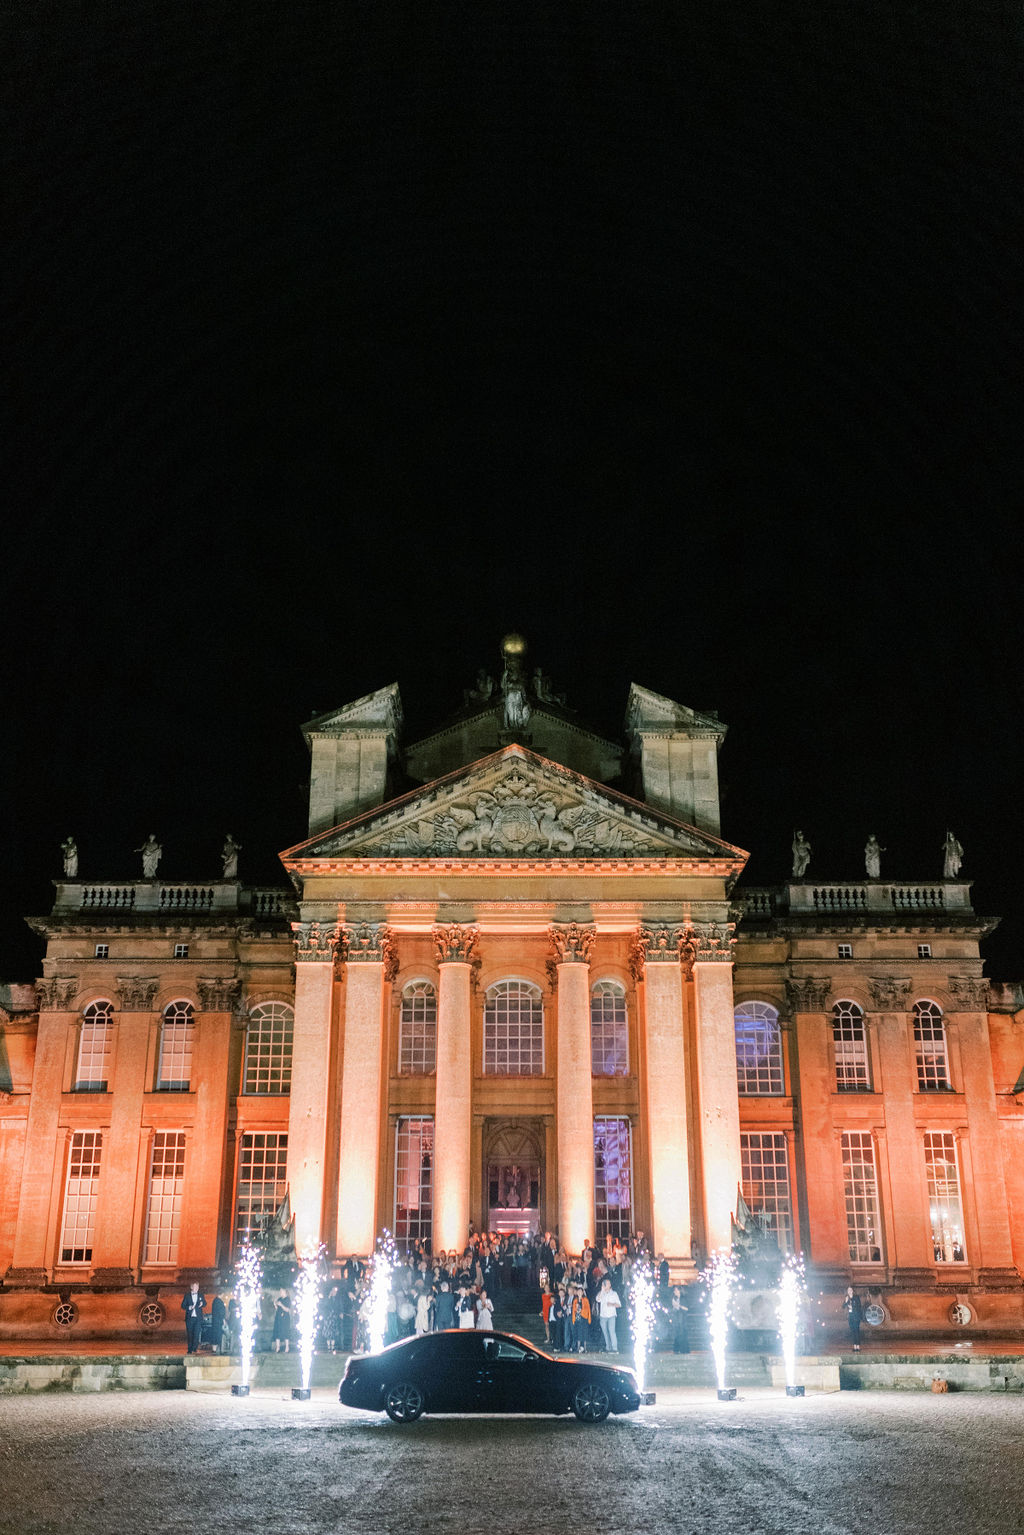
point(417, 1029)
point(609, 1035)
point(931, 1047)
point(768, 1083)
point(408, 1230)
point(94, 1084)
point(272, 1058)
point(492, 1052)
point(178, 1014)
point(782, 1222)
point(850, 1058)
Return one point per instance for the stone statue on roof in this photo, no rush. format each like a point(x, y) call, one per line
point(873, 858)
point(69, 847)
point(801, 854)
point(513, 683)
point(229, 856)
point(151, 852)
point(952, 857)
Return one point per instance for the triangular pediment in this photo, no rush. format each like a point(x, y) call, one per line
point(513, 804)
point(380, 711)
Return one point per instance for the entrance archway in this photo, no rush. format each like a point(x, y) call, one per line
point(513, 1175)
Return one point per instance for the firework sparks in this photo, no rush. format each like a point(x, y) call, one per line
point(720, 1276)
point(382, 1266)
point(307, 1305)
point(641, 1320)
point(791, 1287)
point(249, 1290)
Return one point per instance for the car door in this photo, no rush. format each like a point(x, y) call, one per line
point(455, 1376)
point(512, 1377)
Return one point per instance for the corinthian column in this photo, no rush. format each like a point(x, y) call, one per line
point(455, 944)
point(574, 1096)
point(710, 946)
point(371, 962)
point(656, 964)
point(315, 948)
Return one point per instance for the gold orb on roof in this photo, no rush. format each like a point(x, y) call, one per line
point(513, 645)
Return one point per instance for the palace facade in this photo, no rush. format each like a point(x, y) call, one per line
point(514, 983)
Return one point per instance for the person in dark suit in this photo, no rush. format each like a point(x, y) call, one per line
point(193, 1303)
point(218, 1318)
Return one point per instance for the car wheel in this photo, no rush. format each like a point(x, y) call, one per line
point(403, 1403)
point(591, 1404)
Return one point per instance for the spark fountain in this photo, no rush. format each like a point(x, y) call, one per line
point(791, 1287)
point(382, 1266)
point(641, 1325)
point(307, 1306)
point(249, 1291)
point(720, 1277)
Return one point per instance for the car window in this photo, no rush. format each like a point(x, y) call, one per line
point(500, 1348)
point(457, 1346)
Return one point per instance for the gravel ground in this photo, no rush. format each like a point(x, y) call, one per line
point(857, 1463)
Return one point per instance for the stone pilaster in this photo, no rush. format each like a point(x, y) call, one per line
point(42, 1188)
point(910, 1251)
point(574, 1102)
point(371, 963)
point(316, 947)
point(455, 944)
point(710, 948)
point(656, 963)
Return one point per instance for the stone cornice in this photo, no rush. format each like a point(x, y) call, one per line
point(455, 943)
point(56, 993)
point(571, 942)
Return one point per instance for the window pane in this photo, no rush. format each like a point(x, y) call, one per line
point(765, 1160)
point(851, 1048)
point(944, 1206)
point(414, 1180)
point(176, 1036)
point(95, 1042)
point(268, 1048)
point(609, 1031)
point(930, 1048)
point(417, 1030)
point(166, 1180)
point(758, 1050)
point(80, 1197)
point(262, 1169)
point(514, 1030)
point(860, 1181)
point(613, 1179)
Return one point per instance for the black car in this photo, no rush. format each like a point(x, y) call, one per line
point(469, 1371)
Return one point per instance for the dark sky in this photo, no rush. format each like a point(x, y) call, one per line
point(341, 338)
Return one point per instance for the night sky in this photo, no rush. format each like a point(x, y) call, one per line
point(339, 339)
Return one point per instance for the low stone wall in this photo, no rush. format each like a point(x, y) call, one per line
point(815, 1374)
point(961, 1372)
point(92, 1372)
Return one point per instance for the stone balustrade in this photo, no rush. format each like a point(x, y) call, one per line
point(154, 897)
point(853, 898)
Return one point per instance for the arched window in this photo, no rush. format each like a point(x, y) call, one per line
point(268, 1048)
point(417, 1030)
point(931, 1055)
point(95, 1040)
point(609, 1030)
point(851, 1049)
point(758, 1050)
point(174, 1072)
point(513, 1030)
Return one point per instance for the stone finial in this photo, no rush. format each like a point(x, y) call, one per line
point(137, 992)
point(455, 943)
point(55, 994)
point(571, 942)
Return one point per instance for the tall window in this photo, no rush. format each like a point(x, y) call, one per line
point(417, 1030)
point(174, 1073)
point(609, 1031)
point(514, 1030)
point(944, 1204)
point(95, 1040)
point(262, 1162)
point(414, 1179)
point(80, 1196)
point(758, 1050)
point(163, 1212)
point(613, 1178)
point(931, 1055)
point(860, 1182)
point(853, 1073)
point(268, 1048)
point(765, 1162)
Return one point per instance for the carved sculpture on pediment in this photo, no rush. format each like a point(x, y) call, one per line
point(888, 994)
point(55, 994)
point(371, 943)
point(218, 995)
point(571, 942)
point(455, 943)
point(136, 993)
point(971, 993)
point(808, 993)
point(315, 941)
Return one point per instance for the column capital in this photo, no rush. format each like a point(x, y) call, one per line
point(808, 993)
point(56, 993)
point(136, 993)
point(455, 943)
point(888, 993)
point(970, 993)
point(571, 942)
point(371, 943)
point(654, 943)
point(316, 941)
point(709, 943)
point(219, 994)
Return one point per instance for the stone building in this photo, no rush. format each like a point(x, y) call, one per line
point(514, 983)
